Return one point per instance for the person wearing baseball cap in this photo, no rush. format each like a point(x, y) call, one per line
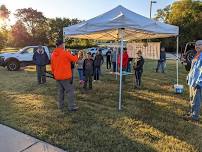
point(40, 59)
point(195, 82)
point(61, 68)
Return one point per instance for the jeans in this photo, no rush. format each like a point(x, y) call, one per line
point(97, 73)
point(41, 74)
point(65, 86)
point(129, 67)
point(114, 66)
point(81, 77)
point(196, 102)
point(138, 76)
point(161, 66)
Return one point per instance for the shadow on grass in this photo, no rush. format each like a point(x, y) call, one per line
point(164, 119)
point(80, 131)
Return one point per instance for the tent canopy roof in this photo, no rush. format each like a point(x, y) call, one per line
point(108, 25)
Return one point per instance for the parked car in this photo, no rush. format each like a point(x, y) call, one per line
point(188, 54)
point(92, 50)
point(22, 58)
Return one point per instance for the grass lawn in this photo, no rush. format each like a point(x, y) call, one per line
point(150, 120)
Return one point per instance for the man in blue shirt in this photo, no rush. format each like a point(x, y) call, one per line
point(195, 82)
point(161, 61)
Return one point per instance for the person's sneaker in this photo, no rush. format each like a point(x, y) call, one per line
point(189, 118)
point(73, 109)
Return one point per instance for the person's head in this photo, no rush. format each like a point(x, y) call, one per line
point(99, 51)
point(124, 49)
point(198, 46)
point(139, 53)
point(60, 44)
point(89, 55)
point(163, 49)
point(40, 48)
point(80, 54)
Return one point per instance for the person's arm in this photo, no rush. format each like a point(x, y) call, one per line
point(34, 58)
point(72, 58)
point(46, 58)
point(52, 64)
point(102, 60)
point(93, 66)
point(84, 65)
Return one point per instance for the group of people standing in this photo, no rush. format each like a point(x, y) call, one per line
point(88, 66)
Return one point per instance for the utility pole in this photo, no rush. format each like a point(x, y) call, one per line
point(151, 2)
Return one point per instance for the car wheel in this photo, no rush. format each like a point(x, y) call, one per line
point(13, 65)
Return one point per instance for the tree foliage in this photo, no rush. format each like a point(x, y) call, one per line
point(4, 15)
point(35, 23)
point(187, 14)
point(4, 12)
point(19, 34)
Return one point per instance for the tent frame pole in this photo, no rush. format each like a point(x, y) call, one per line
point(121, 34)
point(177, 60)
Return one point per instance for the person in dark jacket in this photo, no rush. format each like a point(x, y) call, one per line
point(99, 60)
point(88, 70)
point(161, 61)
point(40, 59)
point(109, 55)
point(138, 67)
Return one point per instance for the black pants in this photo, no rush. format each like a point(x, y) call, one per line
point(88, 80)
point(41, 74)
point(138, 77)
point(114, 66)
point(108, 63)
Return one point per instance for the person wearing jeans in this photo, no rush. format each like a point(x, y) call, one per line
point(124, 63)
point(195, 82)
point(61, 68)
point(161, 61)
point(99, 60)
point(40, 58)
point(80, 67)
point(114, 60)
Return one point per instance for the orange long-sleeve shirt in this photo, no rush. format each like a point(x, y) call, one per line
point(61, 64)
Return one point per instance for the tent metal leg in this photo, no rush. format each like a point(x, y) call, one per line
point(121, 63)
point(177, 60)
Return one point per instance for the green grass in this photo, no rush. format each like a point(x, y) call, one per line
point(150, 120)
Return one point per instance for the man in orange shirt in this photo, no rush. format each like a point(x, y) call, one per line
point(61, 69)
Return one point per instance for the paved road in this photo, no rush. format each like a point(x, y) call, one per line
point(15, 141)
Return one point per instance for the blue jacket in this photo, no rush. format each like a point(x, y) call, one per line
point(40, 59)
point(195, 74)
point(162, 56)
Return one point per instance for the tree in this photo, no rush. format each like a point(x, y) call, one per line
point(187, 14)
point(4, 12)
point(35, 23)
point(4, 15)
point(19, 35)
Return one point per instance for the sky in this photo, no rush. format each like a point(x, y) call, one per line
point(83, 9)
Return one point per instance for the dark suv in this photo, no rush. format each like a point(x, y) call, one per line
point(188, 54)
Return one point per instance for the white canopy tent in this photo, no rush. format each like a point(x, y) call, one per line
point(121, 24)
